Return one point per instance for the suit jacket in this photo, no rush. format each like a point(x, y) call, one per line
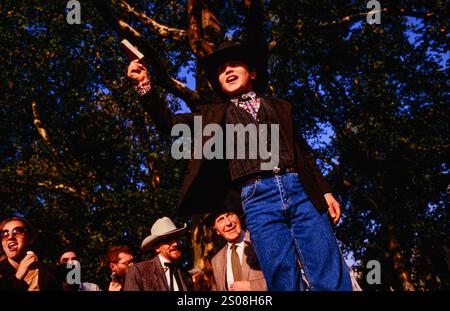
point(207, 183)
point(48, 278)
point(149, 276)
point(250, 267)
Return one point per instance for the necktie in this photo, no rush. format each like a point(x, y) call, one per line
point(236, 264)
point(174, 277)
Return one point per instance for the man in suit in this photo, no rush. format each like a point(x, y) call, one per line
point(285, 201)
point(162, 272)
point(243, 274)
point(119, 260)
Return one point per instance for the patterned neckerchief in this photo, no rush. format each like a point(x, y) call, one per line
point(249, 102)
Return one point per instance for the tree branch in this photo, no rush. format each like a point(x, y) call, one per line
point(162, 30)
point(302, 28)
point(204, 34)
point(204, 31)
point(151, 54)
point(69, 189)
point(54, 154)
point(254, 25)
point(394, 11)
point(43, 132)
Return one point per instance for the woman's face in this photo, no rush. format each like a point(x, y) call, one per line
point(15, 239)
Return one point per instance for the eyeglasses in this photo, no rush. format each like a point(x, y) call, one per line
point(67, 259)
point(127, 263)
point(18, 232)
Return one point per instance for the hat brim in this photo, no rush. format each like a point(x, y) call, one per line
point(231, 204)
point(150, 240)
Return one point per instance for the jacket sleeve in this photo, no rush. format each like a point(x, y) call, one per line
point(215, 274)
point(10, 282)
point(161, 115)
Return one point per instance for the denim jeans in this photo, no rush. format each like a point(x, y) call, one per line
point(286, 228)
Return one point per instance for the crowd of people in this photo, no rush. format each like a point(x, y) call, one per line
point(21, 268)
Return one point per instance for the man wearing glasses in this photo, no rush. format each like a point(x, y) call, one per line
point(119, 259)
point(20, 268)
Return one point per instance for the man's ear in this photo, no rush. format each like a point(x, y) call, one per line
point(157, 248)
point(216, 231)
point(112, 267)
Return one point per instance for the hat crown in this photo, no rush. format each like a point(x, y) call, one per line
point(229, 44)
point(162, 226)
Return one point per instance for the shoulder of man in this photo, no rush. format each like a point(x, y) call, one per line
point(219, 254)
point(146, 263)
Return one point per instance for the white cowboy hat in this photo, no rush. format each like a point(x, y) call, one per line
point(162, 228)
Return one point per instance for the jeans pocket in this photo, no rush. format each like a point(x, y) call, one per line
point(248, 191)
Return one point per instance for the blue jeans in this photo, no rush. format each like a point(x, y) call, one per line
point(286, 228)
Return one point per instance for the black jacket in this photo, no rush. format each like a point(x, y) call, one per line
point(207, 183)
point(48, 278)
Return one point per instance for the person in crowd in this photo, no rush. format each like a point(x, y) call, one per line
point(164, 271)
point(235, 266)
point(119, 259)
point(20, 267)
point(68, 261)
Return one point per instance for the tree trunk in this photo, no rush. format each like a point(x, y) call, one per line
point(399, 263)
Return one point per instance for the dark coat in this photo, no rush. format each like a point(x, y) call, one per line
point(48, 278)
point(149, 276)
point(207, 183)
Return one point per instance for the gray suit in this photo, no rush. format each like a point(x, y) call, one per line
point(250, 267)
point(149, 276)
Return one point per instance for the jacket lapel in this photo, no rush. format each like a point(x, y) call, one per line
point(222, 263)
point(247, 257)
point(160, 277)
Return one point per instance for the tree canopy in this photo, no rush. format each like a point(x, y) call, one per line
point(82, 161)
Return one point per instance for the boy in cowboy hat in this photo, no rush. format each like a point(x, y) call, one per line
point(162, 272)
point(286, 206)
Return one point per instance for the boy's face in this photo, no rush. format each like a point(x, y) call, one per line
point(235, 77)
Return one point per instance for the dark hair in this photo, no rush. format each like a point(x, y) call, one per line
point(31, 231)
point(112, 255)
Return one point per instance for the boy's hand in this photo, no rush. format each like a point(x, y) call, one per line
point(137, 71)
point(334, 208)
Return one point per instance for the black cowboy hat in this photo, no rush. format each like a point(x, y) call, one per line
point(233, 50)
point(231, 204)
